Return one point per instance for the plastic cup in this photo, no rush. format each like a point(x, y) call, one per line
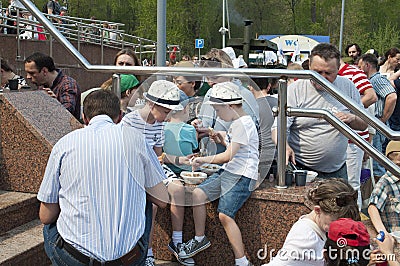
point(13, 84)
point(288, 178)
point(300, 177)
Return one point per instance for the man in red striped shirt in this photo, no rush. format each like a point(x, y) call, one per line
point(368, 97)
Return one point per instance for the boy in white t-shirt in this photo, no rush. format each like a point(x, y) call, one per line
point(236, 180)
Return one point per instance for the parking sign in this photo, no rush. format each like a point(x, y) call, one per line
point(199, 43)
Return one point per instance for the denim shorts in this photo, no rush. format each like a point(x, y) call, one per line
point(231, 189)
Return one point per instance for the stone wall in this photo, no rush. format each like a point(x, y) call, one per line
point(31, 122)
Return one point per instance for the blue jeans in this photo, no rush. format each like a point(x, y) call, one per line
point(59, 256)
point(231, 189)
point(378, 142)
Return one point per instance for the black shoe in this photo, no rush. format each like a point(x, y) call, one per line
point(175, 250)
point(192, 247)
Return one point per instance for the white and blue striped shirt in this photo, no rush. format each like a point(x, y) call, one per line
point(98, 175)
point(154, 133)
point(383, 88)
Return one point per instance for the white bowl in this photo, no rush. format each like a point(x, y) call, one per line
point(396, 235)
point(311, 175)
point(210, 168)
point(193, 178)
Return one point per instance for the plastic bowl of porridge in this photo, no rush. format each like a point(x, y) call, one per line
point(193, 178)
point(210, 169)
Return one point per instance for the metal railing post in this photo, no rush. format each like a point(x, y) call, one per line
point(79, 37)
point(51, 45)
point(116, 84)
point(18, 39)
point(282, 117)
point(102, 46)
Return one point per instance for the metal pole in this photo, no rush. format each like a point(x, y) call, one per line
point(161, 31)
point(246, 40)
point(102, 46)
point(18, 39)
point(79, 37)
point(223, 23)
point(341, 27)
point(116, 84)
point(282, 102)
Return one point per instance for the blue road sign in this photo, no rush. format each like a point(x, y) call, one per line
point(199, 43)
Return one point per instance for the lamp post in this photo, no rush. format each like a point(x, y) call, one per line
point(341, 27)
point(161, 31)
point(223, 30)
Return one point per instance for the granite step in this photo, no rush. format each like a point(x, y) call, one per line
point(23, 245)
point(16, 209)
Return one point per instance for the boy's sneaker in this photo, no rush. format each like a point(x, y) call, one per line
point(175, 250)
point(150, 261)
point(192, 247)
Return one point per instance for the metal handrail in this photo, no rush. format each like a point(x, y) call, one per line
point(348, 132)
point(79, 30)
point(277, 73)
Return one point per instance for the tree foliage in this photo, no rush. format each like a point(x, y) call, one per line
point(372, 24)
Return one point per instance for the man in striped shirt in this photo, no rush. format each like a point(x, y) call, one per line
point(368, 97)
point(93, 193)
point(385, 105)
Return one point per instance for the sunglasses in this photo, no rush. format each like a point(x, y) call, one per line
point(180, 82)
point(213, 59)
point(210, 62)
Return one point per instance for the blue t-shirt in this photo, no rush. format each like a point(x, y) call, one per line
point(180, 140)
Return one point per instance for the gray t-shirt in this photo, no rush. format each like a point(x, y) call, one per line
point(316, 143)
point(267, 150)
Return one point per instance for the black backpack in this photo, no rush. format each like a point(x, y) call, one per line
point(44, 8)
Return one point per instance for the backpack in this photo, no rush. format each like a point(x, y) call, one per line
point(44, 8)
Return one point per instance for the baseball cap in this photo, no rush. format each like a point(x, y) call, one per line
point(392, 147)
point(164, 93)
point(225, 93)
point(127, 82)
point(354, 233)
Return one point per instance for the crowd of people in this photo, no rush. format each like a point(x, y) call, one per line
point(188, 121)
point(30, 28)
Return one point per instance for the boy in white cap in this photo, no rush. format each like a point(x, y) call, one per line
point(384, 203)
point(162, 97)
point(234, 183)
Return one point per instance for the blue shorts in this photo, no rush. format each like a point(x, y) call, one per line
point(231, 189)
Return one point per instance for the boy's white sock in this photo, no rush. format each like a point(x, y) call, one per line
point(176, 237)
point(199, 238)
point(150, 252)
point(242, 261)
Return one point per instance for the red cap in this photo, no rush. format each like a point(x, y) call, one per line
point(355, 233)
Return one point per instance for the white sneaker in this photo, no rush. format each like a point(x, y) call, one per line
point(150, 261)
